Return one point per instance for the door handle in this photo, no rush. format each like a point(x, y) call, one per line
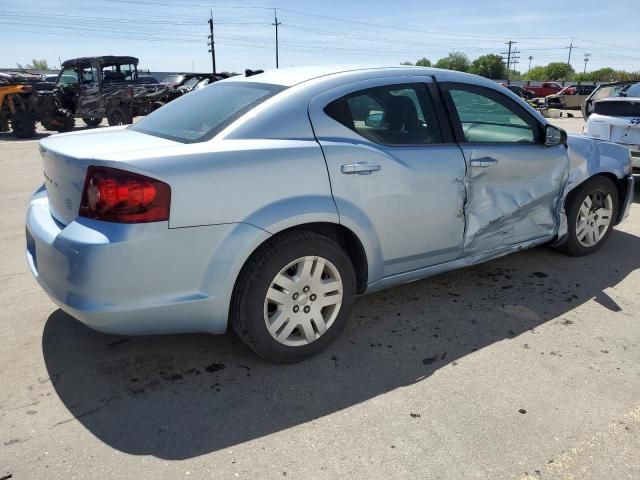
point(483, 162)
point(360, 168)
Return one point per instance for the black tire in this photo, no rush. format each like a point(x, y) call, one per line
point(47, 125)
point(119, 115)
point(23, 124)
point(66, 120)
point(598, 184)
point(246, 313)
point(92, 121)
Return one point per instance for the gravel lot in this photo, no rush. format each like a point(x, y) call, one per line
point(526, 367)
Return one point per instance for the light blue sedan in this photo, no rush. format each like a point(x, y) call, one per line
point(269, 202)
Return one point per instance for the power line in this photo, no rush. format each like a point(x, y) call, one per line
point(327, 17)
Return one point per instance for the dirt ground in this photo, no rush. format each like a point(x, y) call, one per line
point(527, 367)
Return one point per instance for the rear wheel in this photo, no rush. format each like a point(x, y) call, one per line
point(92, 121)
point(591, 212)
point(119, 115)
point(294, 297)
point(23, 124)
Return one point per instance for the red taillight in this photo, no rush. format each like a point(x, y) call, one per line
point(115, 195)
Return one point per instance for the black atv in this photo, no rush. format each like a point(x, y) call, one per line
point(93, 88)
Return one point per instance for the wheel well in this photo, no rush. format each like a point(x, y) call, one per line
point(348, 240)
point(620, 185)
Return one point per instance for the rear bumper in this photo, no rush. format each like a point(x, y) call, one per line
point(136, 279)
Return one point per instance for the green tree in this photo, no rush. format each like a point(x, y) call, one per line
point(536, 73)
point(454, 61)
point(489, 66)
point(559, 71)
point(601, 75)
point(423, 62)
point(406, 63)
point(35, 65)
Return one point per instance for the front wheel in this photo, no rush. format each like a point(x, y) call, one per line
point(591, 213)
point(23, 124)
point(294, 296)
point(119, 115)
point(66, 120)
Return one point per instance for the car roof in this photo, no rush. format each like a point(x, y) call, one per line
point(108, 59)
point(291, 76)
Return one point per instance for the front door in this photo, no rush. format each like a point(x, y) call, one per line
point(396, 174)
point(89, 101)
point(514, 181)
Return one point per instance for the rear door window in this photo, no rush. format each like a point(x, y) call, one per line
point(389, 115)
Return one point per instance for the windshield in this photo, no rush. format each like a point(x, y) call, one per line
point(204, 113)
point(633, 90)
point(617, 90)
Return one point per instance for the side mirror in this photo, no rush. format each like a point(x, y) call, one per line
point(554, 136)
point(373, 120)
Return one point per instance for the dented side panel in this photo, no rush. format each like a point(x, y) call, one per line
point(589, 157)
point(515, 198)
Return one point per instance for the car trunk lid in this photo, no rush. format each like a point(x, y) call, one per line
point(66, 158)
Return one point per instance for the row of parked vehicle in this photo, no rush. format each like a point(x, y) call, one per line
point(90, 88)
point(611, 110)
point(554, 95)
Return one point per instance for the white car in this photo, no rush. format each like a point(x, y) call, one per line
point(617, 119)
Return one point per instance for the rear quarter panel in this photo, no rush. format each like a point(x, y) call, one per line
point(271, 184)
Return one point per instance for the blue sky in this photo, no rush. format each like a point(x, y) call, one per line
point(171, 35)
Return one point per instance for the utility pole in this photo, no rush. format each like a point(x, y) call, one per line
point(569, 59)
point(512, 57)
point(212, 43)
point(276, 23)
point(530, 58)
point(586, 59)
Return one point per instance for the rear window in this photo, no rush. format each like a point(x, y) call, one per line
point(202, 114)
point(633, 90)
point(617, 108)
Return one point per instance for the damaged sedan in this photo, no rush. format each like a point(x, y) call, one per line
point(270, 202)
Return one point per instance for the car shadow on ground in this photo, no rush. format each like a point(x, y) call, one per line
point(181, 396)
